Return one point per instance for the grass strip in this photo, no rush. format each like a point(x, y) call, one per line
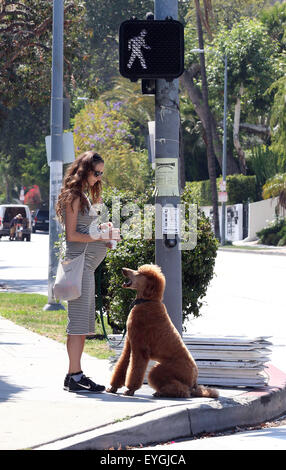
point(27, 310)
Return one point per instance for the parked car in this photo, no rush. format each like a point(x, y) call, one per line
point(8, 212)
point(41, 220)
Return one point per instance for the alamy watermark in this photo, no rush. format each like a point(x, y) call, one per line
point(152, 222)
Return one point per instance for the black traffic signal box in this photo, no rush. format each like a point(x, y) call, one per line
point(151, 49)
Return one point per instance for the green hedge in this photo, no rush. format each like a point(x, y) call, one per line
point(240, 189)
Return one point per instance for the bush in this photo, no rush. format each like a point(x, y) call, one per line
point(240, 189)
point(263, 163)
point(274, 234)
point(199, 192)
point(197, 270)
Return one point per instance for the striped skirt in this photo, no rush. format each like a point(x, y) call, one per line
point(81, 311)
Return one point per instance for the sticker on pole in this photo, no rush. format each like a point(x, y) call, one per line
point(170, 220)
point(166, 177)
point(222, 196)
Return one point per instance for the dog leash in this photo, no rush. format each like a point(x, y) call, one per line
point(133, 303)
point(99, 297)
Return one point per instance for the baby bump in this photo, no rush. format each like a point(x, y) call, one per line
point(95, 254)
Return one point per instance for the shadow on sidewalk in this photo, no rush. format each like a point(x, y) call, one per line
point(24, 286)
point(8, 390)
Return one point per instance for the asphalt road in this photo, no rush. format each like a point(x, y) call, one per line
point(24, 265)
point(245, 297)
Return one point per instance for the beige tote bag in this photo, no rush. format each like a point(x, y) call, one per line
point(69, 278)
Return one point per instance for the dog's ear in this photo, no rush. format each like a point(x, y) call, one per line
point(150, 288)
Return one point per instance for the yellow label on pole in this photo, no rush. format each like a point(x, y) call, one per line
point(166, 177)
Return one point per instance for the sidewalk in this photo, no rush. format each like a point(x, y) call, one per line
point(36, 413)
point(254, 247)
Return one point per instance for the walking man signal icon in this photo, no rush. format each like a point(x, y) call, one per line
point(136, 44)
point(151, 49)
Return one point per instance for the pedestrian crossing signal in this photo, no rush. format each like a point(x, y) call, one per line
point(151, 49)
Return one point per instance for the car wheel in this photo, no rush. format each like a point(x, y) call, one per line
point(28, 238)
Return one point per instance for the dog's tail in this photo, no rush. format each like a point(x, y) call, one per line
point(205, 392)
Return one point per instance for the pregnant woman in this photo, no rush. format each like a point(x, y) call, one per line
point(83, 232)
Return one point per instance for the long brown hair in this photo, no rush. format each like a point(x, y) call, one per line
point(75, 183)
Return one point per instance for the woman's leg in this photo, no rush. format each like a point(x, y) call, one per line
point(75, 345)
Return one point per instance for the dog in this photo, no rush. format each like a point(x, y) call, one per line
point(152, 336)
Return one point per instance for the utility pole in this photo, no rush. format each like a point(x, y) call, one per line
point(56, 164)
point(223, 208)
point(167, 124)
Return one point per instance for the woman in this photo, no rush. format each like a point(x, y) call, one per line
point(83, 178)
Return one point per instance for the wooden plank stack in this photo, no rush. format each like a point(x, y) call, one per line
point(226, 361)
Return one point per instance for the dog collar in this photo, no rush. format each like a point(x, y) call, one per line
point(139, 301)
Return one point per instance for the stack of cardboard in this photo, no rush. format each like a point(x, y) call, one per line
point(230, 361)
point(227, 361)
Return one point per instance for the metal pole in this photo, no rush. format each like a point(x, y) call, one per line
point(223, 208)
point(167, 121)
point(56, 164)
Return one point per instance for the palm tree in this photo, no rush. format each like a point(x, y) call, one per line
point(276, 187)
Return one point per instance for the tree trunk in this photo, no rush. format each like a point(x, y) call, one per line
point(208, 130)
point(196, 98)
point(236, 124)
point(181, 160)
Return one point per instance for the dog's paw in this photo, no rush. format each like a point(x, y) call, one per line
point(129, 393)
point(111, 390)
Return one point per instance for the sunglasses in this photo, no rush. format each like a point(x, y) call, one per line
point(97, 173)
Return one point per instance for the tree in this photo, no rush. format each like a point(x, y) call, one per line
point(24, 125)
point(196, 166)
point(278, 120)
point(25, 48)
point(208, 129)
point(104, 128)
point(225, 13)
point(34, 169)
point(219, 18)
point(138, 108)
point(253, 63)
point(6, 180)
point(191, 81)
point(25, 73)
point(276, 187)
point(274, 19)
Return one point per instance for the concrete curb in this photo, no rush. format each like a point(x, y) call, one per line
point(259, 252)
point(181, 421)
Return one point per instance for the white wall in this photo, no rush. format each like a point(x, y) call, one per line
point(260, 213)
point(233, 222)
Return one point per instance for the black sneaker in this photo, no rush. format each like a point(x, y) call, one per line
point(67, 381)
point(83, 385)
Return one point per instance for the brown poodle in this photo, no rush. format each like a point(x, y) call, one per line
point(151, 335)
